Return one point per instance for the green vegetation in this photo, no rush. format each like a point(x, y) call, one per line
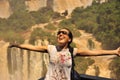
point(17, 6)
point(57, 16)
point(13, 37)
point(21, 20)
point(97, 71)
point(42, 16)
point(101, 20)
point(115, 68)
point(81, 64)
point(51, 27)
point(67, 24)
point(39, 33)
point(91, 44)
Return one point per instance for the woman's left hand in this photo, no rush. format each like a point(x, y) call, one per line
point(118, 51)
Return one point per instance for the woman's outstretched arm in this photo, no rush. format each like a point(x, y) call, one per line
point(98, 52)
point(29, 47)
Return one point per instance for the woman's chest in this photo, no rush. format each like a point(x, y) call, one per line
point(61, 58)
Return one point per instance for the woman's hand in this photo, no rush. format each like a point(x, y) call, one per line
point(118, 51)
point(13, 45)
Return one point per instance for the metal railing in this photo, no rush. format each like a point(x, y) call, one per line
point(89, 77)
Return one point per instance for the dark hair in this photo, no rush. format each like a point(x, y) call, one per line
point(70, 35)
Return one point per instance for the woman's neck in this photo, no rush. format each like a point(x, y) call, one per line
point(61, 47)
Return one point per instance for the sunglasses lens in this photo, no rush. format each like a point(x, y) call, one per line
point(63, 32)
point(58, 32)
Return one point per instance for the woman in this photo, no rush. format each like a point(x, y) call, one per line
point(60, 57)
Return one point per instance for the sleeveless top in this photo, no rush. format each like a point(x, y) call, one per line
point(60, 64)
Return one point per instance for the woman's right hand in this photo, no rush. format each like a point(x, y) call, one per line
point(13, 45)
point(118, 51)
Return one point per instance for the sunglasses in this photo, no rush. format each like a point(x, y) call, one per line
point(63, 32)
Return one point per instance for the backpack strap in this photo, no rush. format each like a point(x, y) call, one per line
point(71, 51)
point(73, 64)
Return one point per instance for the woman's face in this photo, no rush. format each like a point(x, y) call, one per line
point(62, 37)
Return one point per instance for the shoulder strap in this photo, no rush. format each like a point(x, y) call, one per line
point(73, 64)
point(71, 51)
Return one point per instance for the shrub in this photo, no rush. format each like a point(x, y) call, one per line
point(11, 36)
point(50, 27)
point(82, 64)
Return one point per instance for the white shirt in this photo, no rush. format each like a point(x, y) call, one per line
point(60, 64)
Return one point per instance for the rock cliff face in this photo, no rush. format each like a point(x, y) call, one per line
point(57, 5)
point(34, 5)
point(5, 9)
point(3, 61)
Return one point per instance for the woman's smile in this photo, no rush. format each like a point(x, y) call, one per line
point(61, 37)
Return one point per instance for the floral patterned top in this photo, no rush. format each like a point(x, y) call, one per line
point(60, 64)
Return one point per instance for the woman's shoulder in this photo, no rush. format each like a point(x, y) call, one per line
point(75, 51)
point(49, 47)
